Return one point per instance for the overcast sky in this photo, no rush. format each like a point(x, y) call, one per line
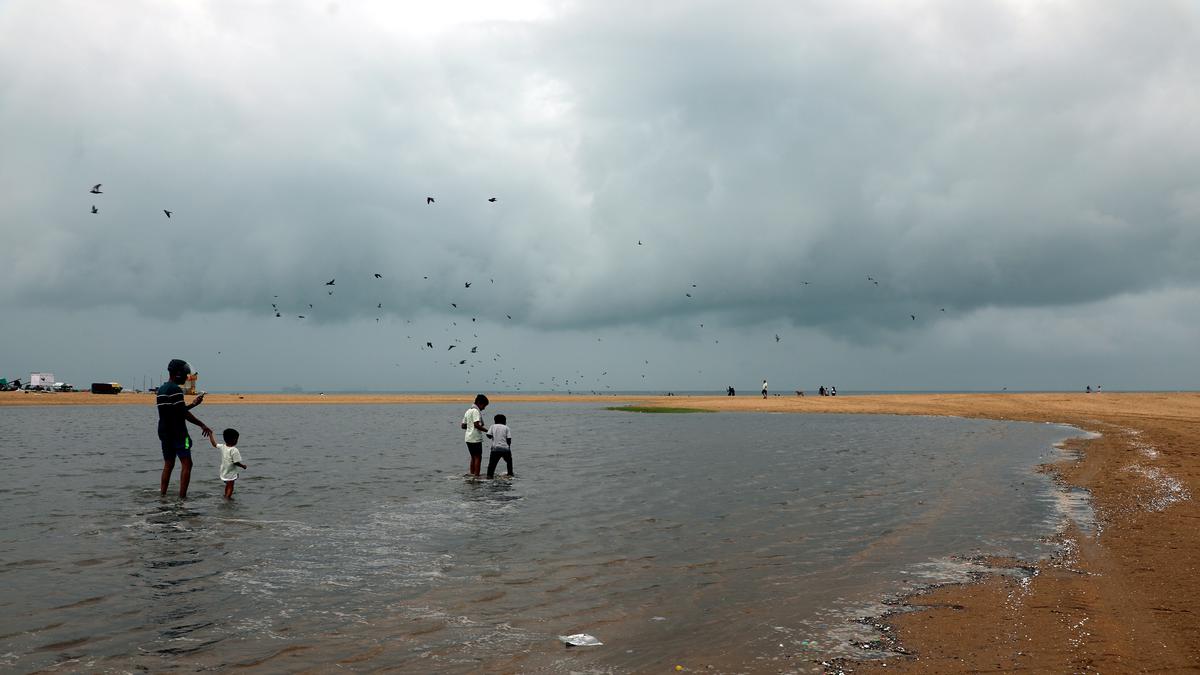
point(1023, 177)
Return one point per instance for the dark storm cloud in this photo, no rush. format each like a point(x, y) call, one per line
point(1001, 155)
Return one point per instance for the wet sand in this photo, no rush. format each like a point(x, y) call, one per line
point(1121, 599)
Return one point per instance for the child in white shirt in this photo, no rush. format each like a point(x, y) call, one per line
point(230, 457)
point(501, 446)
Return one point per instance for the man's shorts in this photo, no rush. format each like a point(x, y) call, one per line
point(177, 447)
point(476, 449)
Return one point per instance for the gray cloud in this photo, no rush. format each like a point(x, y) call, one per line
point(981, 158)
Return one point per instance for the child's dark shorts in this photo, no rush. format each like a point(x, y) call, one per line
point(476, 449)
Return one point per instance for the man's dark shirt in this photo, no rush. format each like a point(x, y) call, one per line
point(172, 412)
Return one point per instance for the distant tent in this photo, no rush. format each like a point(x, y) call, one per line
point(106, 388)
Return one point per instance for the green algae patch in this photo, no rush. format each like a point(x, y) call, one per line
point(654, 408)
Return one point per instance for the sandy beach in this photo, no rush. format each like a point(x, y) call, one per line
point(1120, 599)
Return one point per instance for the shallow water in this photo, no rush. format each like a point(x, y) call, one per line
point(746, 541)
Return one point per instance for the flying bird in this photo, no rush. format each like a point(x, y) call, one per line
point(943, 309)
point(639, 242)
point(378, 276)
point(96, 189)
point(167, 212)
point(914, 317)
point(330, 282)
point(509, 316)
point(451, 347)
point(94, 209)
point(277, 315)
point(462, 362)
point(777, 337)
point(473, 349)
point(428, 201)
point(468, 284)
point(454, 305)
point(300, 316)
point(491, 199)
point(429, 344)
point(379, 306)
point(688, 294)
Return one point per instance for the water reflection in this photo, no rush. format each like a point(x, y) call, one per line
point(704, 536)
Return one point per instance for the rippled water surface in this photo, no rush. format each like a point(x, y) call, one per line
point(745, 541)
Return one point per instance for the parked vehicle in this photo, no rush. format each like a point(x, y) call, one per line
point(106, 387)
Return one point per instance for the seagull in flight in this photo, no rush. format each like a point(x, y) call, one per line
point(96, 189)
point(429, 344)
point(428, 201)
point(777, 337)
point(451, 347)
point(509, 316)
point(379, 306)
point(914, 317)
point(454, 305)
point(491, 199)
point(330, 282)
point(468, 284)
point(378, 276)
point(94, 209)
point(167, 212)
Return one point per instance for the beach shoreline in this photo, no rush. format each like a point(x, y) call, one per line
point(1119, 599)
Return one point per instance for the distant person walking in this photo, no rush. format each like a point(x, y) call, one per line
point(173, 415)
point(472, 422)
point(764, 388)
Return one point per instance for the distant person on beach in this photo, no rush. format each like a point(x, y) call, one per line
point(230, 457)
point(501, 437)
point(833, 391)
point(1089, 389)
point(173, 415)
point(821, 390)
point(473, 423)
point(764, 388)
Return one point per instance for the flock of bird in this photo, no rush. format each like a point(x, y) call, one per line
point(501, 378)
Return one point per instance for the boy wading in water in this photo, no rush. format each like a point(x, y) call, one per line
point(173, 415)
point(501, 446)
point(230, 457)
point(473, 423)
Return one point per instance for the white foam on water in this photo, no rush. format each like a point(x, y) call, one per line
point(1137, 443)
point(1165, 488)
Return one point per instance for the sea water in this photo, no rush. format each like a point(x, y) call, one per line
point(742, 541)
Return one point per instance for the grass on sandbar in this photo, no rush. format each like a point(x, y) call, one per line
point(652, 409)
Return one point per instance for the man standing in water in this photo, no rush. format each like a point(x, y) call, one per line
point(173, 415)
point(473, 423)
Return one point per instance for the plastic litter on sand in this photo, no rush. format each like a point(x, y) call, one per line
point(580, 640)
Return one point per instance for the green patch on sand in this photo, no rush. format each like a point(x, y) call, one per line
point(653, 409)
